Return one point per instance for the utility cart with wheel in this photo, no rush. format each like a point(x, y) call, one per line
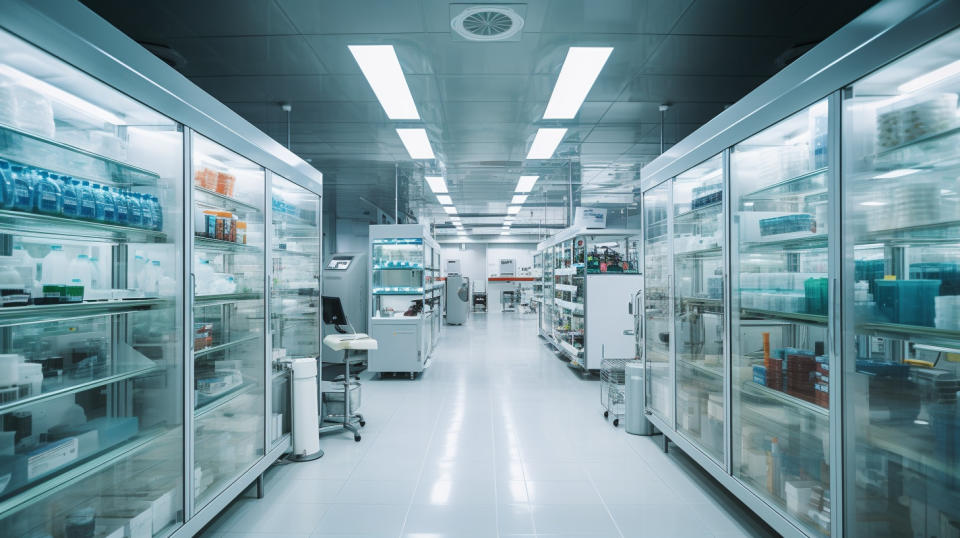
point(612, 377)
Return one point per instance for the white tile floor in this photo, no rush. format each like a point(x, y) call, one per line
point(498, 438)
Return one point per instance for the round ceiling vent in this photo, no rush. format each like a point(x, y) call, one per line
point(487, 23)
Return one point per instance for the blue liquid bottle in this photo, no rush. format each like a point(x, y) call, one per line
point(146, 207)
point(22, 188)
point(70, 197)
point(6, 186)
point(134, 210)
point(88, 200)
point(123, 211)
point(157, 213)
point(47, 195)
point(105, 209)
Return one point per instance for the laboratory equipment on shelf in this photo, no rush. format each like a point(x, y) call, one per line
point(479, 301)
point(406, 298)
point(342, 399)
point(458, 299)
point(588, 280)
point(345, 277)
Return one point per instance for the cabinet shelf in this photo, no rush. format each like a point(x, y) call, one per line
point(713, 372)
point(221, 347)
point(565, 271)
point(566, 287)
point(702, 301)
point(700, 253)
point(933, 233)
point(224, 298)
point(219, 245)
point(216, 402)
point(913, 332)
point(286, 252)
point(58, 482)
point(569, 349)
point(572, 307)
point(20, 315)
point(933, 137)
point(711, 208)
point(23, 147)
point(783, 397)
point(50, 226)
point(792, 241)
point(224, 202)
point(410, 292)
point(786, 316)
point(411, 268)
point(793, 186)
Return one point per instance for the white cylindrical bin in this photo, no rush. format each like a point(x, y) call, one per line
point(635, 421)
point(306, 426)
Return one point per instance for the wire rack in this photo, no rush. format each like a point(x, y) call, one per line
point(612, 378)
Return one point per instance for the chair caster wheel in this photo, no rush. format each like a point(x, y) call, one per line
point(616, 422)
point(356, 438)
point(606, 414)
point(362, 423)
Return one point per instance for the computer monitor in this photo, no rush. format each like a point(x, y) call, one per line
point(333, 311)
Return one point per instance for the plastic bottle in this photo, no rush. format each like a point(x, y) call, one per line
point(71, 196)
point(6, 186)
point(146, 210)
point(109, 205)
point(134, 209)
point(47, 196)
point(22, 188)
point(138, 271)
point(53, 277)
point(80, 270)
point(204, 277)
point(96, 278)
point(88, 199)
point(155, 273)
point(157, 213)
point(123, 210)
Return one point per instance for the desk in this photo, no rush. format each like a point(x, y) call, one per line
point(497, 284)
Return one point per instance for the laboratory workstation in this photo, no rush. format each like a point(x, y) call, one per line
point(398, 268)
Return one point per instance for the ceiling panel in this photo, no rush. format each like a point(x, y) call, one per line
point(355, 16)
point(247, 55)
point(717, 55)
point(189, 18)
point(613, 16)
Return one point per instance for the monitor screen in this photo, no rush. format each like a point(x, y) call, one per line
point(333, 311)
point(340, 263)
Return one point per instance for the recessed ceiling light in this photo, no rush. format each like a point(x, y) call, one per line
point(416, 142)
point(508, 218)
point(436, 184)
point(504, 233)
point(519, 199)
point(546, 142)
point(454, 219)
point(897, 173)
point(513, 210)
point(506, 226)
point(931, 78)
point(580, 70)
point(444, 199)
point(382, 70)
point(526, 183)
point(451, 210)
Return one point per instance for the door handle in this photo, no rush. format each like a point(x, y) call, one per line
point(629, 332)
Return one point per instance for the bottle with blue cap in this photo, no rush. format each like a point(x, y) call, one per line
point(134, 210)
point(47, 195)
point(6, 186)
point(123, 210)
point(88, 200)
point(22, 188)
point(70, 196)
point(109, 205)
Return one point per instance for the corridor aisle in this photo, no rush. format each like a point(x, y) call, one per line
point(498, 437)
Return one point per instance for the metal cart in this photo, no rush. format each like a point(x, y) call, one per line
point(508, 300)
point(479, 301)
point(612, 381)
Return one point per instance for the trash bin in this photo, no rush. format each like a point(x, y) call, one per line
point(635, 421)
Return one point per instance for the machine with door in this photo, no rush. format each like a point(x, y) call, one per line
point(457, 299)
point(345, 277)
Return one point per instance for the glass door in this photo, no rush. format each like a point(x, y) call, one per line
point(398, 267)
point(658, 315)
point(546, 317)
point(228, 316)
point(294, 290)
point(91, 352)
point(901, 339)
point(781, 438)
point(698, 304)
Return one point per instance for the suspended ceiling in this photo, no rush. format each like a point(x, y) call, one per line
point(481, 103)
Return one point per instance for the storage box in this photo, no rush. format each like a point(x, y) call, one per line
point(136, 517)
point(798, 493)
point(908, 302)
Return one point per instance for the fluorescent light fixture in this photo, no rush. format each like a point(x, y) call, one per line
point(509, 218)
point(416, 142)
point(580, 70)
point(444, 199)
point(504, 233)
point(526, 183)
point(931, 78)
point(873, 204)
point(458, 225)
point(454, 219)
point(513, 210)
point(380, 66)
point(461, 233)
point(52, 92)
point(437, 184)
point(519, 199)
point(900, 172)
point(451, 210)
point(546, 142)
point(505, 227)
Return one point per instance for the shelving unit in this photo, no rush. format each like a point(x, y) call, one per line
point(580, 325)
point(803, 346)
point(115, 406)
point(406, 298)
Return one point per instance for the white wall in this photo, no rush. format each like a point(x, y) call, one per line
point(522, 253)
point(481, 260)
point(353, 235)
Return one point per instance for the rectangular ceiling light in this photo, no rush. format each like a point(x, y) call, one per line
point(546, 142)
point(580, 70)
point(416, 142)
point(519, 199)
point(380, 66)
point(900, 172)
point(505, 233)
point(508, 218)
point(437, 184)
point(451, 210)
point(931, 78)
point(526, 183)
point(444, 199)
point(513, 210)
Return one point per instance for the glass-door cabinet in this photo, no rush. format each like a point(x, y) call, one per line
point(91, 352)
point(229, 362)
point(294, 291)
point(781, 435)
point(901, 337)
point(698, 268)
point(658, 307)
